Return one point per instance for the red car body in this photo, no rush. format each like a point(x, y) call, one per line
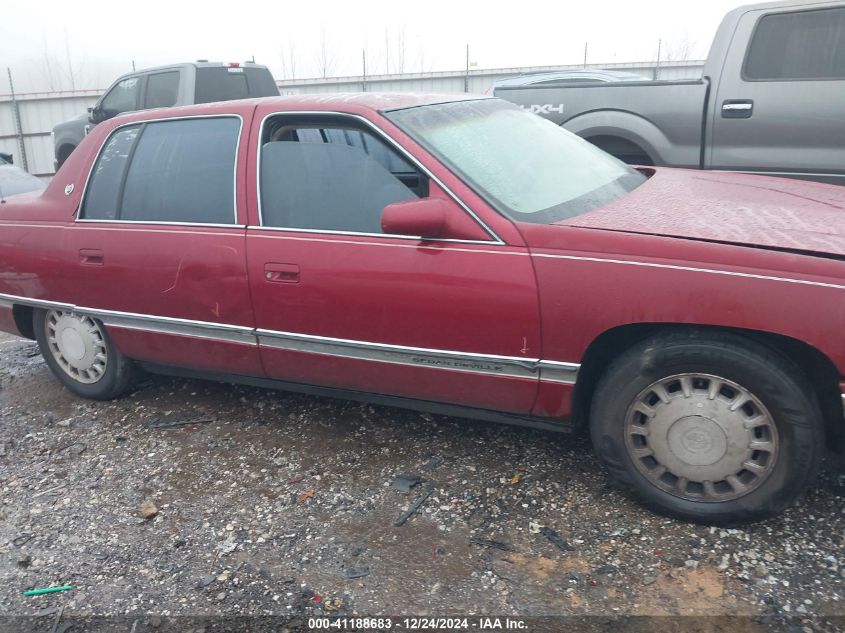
point(514, 317)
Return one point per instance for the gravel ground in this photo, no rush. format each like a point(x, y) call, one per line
point(260, 502)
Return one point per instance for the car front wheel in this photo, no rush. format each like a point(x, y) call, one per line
point(80, 354)
point(707, 427)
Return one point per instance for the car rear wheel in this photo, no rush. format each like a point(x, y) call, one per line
point(80, 354)
point(710, 428)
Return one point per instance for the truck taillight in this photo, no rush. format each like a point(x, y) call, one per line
point(233, 65)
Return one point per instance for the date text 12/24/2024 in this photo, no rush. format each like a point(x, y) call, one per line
point(418, 624)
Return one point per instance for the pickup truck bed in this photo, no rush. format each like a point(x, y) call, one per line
point(771, 100)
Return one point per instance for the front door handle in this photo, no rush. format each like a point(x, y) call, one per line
point(279, 273)
point(737, 108)
point(91, 257)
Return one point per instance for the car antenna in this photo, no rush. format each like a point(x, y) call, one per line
point(2, 199)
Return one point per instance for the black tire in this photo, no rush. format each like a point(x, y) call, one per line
point(793, 413)
point(114, 381)
point(63, 154)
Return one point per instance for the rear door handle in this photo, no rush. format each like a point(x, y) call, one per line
point(737, 108)
point(90, 256)
point(279, 273)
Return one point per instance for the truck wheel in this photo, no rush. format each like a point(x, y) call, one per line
point(710, 428)
point(63, 154)
point(80, 354)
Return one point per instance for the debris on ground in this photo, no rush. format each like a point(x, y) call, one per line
point(433, 462)
point(39, 592)
point(305, 496)
point(489, 542)
point(554, 538)
point(424, 494)
point(357, 572)
point(404, 483)
point(206, 580)
point(148, 510)
point(165, 425)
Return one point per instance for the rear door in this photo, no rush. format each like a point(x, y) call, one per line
point(157, 249)
point(341, 304)
point(780, 105)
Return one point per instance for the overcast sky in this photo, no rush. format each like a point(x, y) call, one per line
point(61, 44)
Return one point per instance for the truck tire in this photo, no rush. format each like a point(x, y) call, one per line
point(707, 427)
point(80, 354)
point(63, 154)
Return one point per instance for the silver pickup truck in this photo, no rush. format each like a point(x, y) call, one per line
point(771, 100)
point(178, 84)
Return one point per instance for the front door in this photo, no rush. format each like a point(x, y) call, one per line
point(338, 303)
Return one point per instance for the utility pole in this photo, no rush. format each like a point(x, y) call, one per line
point(657, 63)
point(585, 54)
point(16, 112)
point(364, 74)
point(466, 74)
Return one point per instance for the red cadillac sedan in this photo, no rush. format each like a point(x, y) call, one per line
point(456, 255)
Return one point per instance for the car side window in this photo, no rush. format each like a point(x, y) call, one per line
point(102, 198)
point(798, 45)
point(162, 89)
point(167, 171)
point(122, 98)
point(331, 177)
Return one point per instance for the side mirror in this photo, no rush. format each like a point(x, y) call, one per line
point(424, 217)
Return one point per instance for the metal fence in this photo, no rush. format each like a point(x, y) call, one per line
point(478, 81)
point(27, 120)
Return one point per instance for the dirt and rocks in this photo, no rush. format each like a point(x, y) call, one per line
point(189, 498)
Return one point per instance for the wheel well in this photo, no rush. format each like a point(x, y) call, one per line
point(622, 148)
point(820, 371)
point(23, 321)
point(63, 152)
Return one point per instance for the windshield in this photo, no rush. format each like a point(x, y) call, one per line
point(527, 167)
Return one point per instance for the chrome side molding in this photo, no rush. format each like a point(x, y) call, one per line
point(489, 364)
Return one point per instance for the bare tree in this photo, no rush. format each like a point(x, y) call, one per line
point(679, 49)
point(326, 56)
point(288, 55)
point(399, 48)
point(71, 73)
point(386, 51)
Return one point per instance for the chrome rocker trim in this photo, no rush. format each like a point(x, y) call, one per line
point(488, 364)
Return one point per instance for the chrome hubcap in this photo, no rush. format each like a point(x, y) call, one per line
point(77, 344)
point(701, 437)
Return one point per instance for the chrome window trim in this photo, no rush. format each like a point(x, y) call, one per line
point(427, 246)
point(240, 118)
point(423, 357)
point(153, 222)
point(386, 137)
point(378, 235)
